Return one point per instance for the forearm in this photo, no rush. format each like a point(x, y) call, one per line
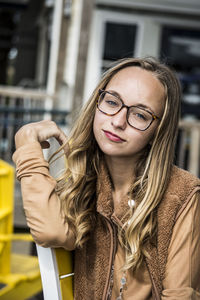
point(183, 266)
point(186, 293)
point(41, 204)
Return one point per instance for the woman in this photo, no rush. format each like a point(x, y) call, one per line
point(132, 217)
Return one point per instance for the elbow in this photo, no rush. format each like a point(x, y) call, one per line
point(51, 234)
point(44, 239)
point(52, 239)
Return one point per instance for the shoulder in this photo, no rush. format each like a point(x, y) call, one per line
point(182, 183)
point(183, 176)
point(181, 188)
point(176, 171)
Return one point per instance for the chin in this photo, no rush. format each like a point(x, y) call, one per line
point(115, 153)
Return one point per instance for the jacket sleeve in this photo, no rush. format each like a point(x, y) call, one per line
point(40, 201)
point(182, 277)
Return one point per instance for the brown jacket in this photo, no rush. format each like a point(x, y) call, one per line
point(93, 263)
point(96, 264)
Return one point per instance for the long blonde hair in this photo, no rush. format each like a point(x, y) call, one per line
point(77, 187)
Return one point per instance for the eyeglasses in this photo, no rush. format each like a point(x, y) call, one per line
point(137, 117)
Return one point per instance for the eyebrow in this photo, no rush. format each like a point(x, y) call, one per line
point(138, 104)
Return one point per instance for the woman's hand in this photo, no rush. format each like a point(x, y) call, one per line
point(39, 132)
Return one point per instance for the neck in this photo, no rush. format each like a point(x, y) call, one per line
point(122, 174)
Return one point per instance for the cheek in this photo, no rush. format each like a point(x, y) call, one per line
point(99, 121)
point(147, 138)
point(140, 139)
point(96, 124)
point(152, 133)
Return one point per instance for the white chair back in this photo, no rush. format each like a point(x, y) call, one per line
point(51, 276)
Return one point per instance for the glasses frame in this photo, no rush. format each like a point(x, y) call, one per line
point(154, 117)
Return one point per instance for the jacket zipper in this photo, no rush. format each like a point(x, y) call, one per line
point(154, 287)
point(157, 296)
point(108, 289)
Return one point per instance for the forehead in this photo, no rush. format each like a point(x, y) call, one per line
point(138, 86)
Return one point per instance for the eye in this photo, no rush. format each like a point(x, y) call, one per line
point(111, 102)
point(141, 116)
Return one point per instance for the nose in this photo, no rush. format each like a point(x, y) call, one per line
point(119, 120)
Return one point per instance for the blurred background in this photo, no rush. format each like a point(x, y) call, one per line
point(52, 55)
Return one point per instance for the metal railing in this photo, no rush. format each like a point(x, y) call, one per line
point(188, 146)
point(19, 106)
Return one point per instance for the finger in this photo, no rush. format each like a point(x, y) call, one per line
point(63, 141)
point(61, 137)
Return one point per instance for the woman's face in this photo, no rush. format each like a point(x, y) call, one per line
point(113, 134)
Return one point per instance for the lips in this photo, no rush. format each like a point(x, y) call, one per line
point(113, 137)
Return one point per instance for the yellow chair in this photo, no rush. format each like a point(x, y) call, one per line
point(19, 274)
point(56, 269)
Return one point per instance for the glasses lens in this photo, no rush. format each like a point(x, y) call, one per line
point(139, 118)
point(109, 103)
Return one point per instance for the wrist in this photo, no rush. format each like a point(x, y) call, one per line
point(24, 137)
